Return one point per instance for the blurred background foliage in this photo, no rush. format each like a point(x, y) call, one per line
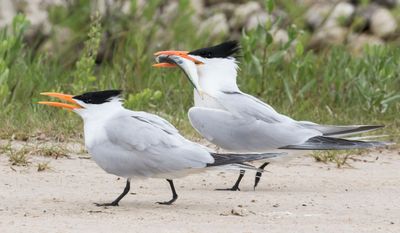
point(87, 51)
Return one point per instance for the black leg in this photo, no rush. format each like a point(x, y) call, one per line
point(174, 194)
point(235, 187)
point(259, 174)
point(115, 202)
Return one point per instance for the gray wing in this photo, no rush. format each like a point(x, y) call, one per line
point(157, 146)
point(244, 123)
point(250, 107)
point(247, 124)
point(156, 121)
point(246, 134)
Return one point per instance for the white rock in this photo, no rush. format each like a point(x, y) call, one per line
point(382, 23)
point(328, 36)
point(259, 18)
point(317, 14)
point(216, 25)
point(170, 11)
point(197, 6)
point(225, 7)
point(242, 13)
point(7, 12)
point(100, 6)
point(47, 3)
point(358, 42)
point(126, 7)
point(342, 12)
point(280, 36)
point(38, 17)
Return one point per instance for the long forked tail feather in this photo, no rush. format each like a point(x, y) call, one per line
point(340, 130)
point(329, 143)
point(369, 137)
point(226, 159)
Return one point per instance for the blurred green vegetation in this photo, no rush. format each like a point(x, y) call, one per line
point(115, 51)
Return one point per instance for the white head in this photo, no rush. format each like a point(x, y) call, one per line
point(209, 69)
point(90, 105)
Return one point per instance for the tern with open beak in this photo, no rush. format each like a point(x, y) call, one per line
point(239, 122)
point(138, 144)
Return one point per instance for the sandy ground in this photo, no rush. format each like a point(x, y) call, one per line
point(298, 195)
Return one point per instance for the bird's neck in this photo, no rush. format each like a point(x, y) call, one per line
point(95, 125)
point(218, 75)
point(219, 79)
point(101, 112)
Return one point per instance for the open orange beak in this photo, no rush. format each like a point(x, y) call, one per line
point(68, 98)
point(183, 54)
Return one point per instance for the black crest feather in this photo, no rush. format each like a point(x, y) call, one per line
point(98, 97)
point(224, 50)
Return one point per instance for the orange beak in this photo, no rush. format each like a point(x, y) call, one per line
point(68, 98)
point(183, 54)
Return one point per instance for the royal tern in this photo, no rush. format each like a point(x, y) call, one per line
point(239, 122)
point(138, 144)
